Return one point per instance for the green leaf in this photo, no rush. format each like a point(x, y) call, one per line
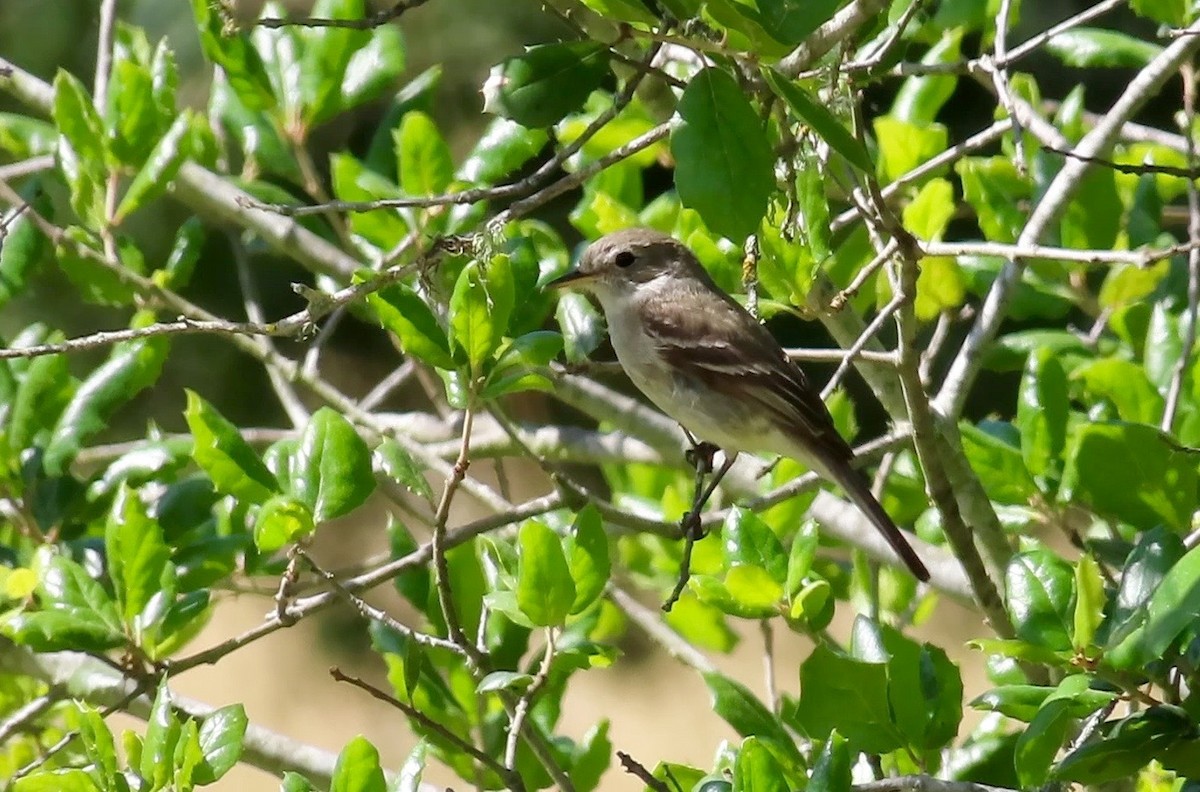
point(749, 540)
point(181, 262)
point(930, 211)
point(81, 153)
point(851, 696)
point(538, 88)
point(412, 769)
point(23, 137)
point(238, 59)
point(832, 770)
point(994, 189)
point(1126, 385)
point(904, 146)
point(1042, 409)
point(753, 588)
point(374, 68)
point(823, 122)
point(1155, 553)
point(504, 146)
point(504, 680)
point(221, 737)
point(921, 98)
point(401, 311)
point(1163, 346)
point(160, 168)
point(592, 758)
point(1039, 597)
point(581, 324)
point(545, 590)
point(800, 557)
point(588, 558)
point(398, 464)
point(281, 520)
point(1173, 606)
point(76, 613)
point(1022, 702)
point(1130, 472)
point(58, 780)
point(1090, 48)
point(1165, 12)
point(1037, 746)
point(331, 470)
point(701, 624)
point(23, 249)
point(132, 117)
point(326, 55)
point(162, 736)
point(724, 165)
point(426, 167)
point(1089, 602)
point(358, 769)
point(1127, 283)
point(742, 710)
point(756, 769)
point(941, 287)
point(624, 10)
point(999, 466)
point(130, 368)
point(477, 307)
point(221, 452)
point(137, 554)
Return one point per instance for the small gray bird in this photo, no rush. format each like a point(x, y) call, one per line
point(707, 363)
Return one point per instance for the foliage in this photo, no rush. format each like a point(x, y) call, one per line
point(789, 187)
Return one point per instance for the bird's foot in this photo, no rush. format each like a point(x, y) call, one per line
point(700, 456)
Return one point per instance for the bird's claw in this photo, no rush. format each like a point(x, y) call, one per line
point(700, 456)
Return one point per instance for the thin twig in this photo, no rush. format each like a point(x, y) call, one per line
point(521, 711)
point(104, 53)
point(1000, 78)
point(375, 20)
point(636, 769)
point(875, 325)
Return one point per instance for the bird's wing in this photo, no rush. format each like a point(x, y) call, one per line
point(726, 348)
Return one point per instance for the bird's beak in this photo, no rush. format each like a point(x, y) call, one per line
point(571, 278)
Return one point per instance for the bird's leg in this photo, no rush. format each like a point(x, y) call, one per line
point(700, 455)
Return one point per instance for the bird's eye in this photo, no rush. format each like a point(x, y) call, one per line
point(624, 259)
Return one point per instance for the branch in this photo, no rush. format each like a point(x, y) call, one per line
point(375, 20)
point(922, 783)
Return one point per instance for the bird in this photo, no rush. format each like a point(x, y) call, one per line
point(710, 365)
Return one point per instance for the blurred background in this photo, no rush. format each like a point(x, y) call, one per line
point(658, 709)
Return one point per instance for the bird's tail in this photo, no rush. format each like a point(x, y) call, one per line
point(858, 489)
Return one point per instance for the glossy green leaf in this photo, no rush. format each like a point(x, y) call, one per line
point(473, 327)
point(588, 558)
point(940, 287)
point(373, 68)
point(162, 737)
point(326, 55)
point(1163, 346)
point(832, 770)
point(81, 263)
point(1173, 606)
point(426, 167)
point(851, 696)
point(1042, 409)
point(999, 466)
point(1165, 733)
point(930, 211)
point(160, 168)
point(331, 471)
point(132, 367)
point(742, 710)
point(749, 540)
point(1037, 746)
point(1039, 595)
point(823, 122)
point(25, 248)
point(23, 137)
point(221, 736)
point(1126, 385)
point(402, 311)
point(545, 589)
point(592, 758)
point(1130, 472)
point(504, 146)
point(581, 324)
point(133, 119)
point(800, 557)
point(548, 81)
point(282, 520)
point(413, 769)
point(176, 273)
point(81, 152)
point(756, 598)
point(395, 461)
point(137, 554)
point(57, 780)
point(757, 770)
point(76, 613)
point(1128, 283)
point(221, 452)
point(724, 164)
point(1089, 48)
point(1022, 702)
point(1155, 553)
point(358, 769)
